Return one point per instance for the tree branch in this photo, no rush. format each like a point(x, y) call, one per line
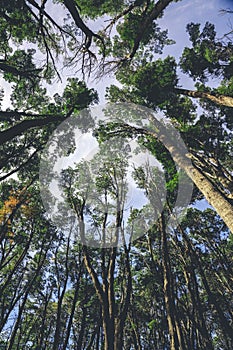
point(156, 11)
point(25, 125)
point(219, 99)
point(8, 68)
point(72, 8)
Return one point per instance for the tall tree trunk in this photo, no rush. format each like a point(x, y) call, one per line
point(41, 340)
point(108, 327)
point(197, 317)
point(135, 332)
point(211, 193)
point(95, 335)
point(113, 324)
point(215, 198)
point(191, 281)
point(124, 306)
point(61, 295)
point(79, 345)
point(74, 302)
point(179, 154)
point(25, 298)
point(218, 99)
point(226, 327)
point(168, 298)
point(108, 321)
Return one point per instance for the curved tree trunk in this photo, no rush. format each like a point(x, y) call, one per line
point(215, 198)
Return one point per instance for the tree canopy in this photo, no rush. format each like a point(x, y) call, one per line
point(161, 287)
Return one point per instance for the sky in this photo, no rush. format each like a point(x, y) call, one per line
point(176, 17)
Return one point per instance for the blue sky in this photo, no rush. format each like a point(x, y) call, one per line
point(176, 17)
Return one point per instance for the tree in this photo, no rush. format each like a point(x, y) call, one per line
point(108, 182)
point(153, 84)
point(170, 288)
point(22, 141)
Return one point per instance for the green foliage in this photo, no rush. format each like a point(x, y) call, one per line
point(207, 55)
point(129, 29)
point(44, 283)
point(17, 21)
point(97, 8)
point(152, 82)
point(76, 95)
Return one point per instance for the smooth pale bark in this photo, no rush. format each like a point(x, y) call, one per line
point(215, 170)
point(218, 99)
point(215, 198)
point(181, 157)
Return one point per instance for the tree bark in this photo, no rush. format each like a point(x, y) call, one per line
point(73, 306)
point(61, 295)
point(155, 12)
point(25, 125)
point(191, 281)
point(226, 327)
point(41, 336)
point(221, 100)
point(8, 68)
point(72, 8)
point(108, 322)
point(168, 297)
point(215, 198)
point(124, 307)
point(25, 298)
point(181, 157)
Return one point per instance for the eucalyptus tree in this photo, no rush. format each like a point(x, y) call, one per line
point(169, 288)
point(208, 133)
point(25, 245)
point(98, 200)
point(27, 129)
